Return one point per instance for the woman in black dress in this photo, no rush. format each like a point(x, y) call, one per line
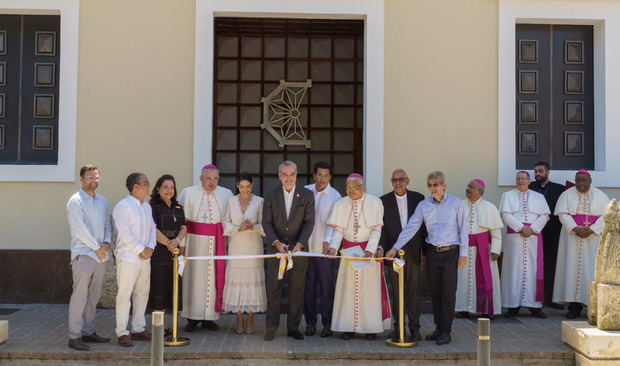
point(171, 228)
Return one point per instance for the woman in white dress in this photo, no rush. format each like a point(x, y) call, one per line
point(244, 289)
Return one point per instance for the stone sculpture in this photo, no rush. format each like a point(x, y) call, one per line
point(604, 291)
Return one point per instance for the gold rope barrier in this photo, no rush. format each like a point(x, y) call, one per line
point(401, 309)
point(175, 341)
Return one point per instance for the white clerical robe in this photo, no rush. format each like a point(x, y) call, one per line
point(358, 296)
point(482, 216)
point(519, 267)
point(199, 275)
point(577, 256)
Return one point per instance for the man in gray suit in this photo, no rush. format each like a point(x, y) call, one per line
point(288, 220)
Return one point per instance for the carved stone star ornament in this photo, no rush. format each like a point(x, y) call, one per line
point(281, 114)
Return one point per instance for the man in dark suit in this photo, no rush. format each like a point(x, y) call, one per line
point(288, 220)
point(398, 206)
point(551, 232)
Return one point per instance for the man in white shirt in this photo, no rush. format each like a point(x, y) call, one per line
point(134, 247)
point(87, 213)
point(321, 271)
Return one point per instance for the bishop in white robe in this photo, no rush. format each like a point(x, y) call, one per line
point(478, 286)
point(580, 210)
point(361, 303)
point(203, 280)
point(525, 213)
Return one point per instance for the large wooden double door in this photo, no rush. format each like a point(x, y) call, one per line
point(251, 57)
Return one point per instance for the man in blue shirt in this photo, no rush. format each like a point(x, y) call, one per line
point(448, 236)
point(87, 213)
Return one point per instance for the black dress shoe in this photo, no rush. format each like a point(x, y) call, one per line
point(414, 337)
point(191, 326)
point(572, 315)
point(555, 305)
point(295, 334)
point(461, 315)
point(210, 325)
point(310, 330)
point(443, 339)
point(394, 335)
point(511, 313)
point(76, 343)
point(538, 313)
point(433, 336)
point(347, 336)
point(371, 336)
point(325, 333)
point(94, 338)
point(269, 336)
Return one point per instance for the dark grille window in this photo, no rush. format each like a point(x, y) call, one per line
point(29, 56)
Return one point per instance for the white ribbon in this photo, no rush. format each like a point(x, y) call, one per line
point(282, 256)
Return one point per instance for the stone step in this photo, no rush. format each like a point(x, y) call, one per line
point(286, 358)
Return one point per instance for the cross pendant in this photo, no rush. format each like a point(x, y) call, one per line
point(204, 217)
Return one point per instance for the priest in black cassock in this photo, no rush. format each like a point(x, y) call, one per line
point(398, 206)
point(551, 232)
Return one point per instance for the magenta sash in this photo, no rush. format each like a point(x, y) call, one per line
point(580, 220)
point(484, 280)
point(199, 228)
point(385, 305)
point(540, 282)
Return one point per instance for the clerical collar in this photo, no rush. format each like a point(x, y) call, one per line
point(476, 201)
point(359, 199)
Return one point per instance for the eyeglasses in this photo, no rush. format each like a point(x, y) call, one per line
point(399, 180)
point(433, 184)
point(94, 179)
point(145, 183)
point(353, 188)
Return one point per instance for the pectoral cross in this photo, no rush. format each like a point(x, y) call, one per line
point(356, 226)
point(204, 217)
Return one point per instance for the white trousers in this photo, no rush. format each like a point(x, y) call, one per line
point(132, 278)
